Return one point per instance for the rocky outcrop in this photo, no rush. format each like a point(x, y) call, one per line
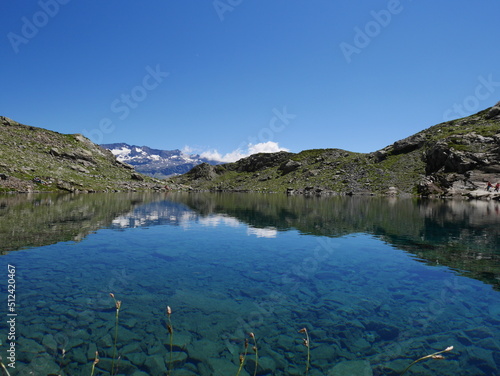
point(203, 171)
point(261, 161)
point(289, 166)
point(494, 111)
point(455, 158)
point(440, 157)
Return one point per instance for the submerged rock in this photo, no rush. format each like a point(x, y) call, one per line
point(351, 368)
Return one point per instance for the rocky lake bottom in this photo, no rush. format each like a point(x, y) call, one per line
point(370, 307)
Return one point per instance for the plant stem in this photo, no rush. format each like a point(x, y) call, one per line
point(118, 305)
point(4, 368)
point(306, 343)
point(243, 357)
point(256, 353)
point(308, 353)
point(171, 333)
point(435, 355)
point(96, 360)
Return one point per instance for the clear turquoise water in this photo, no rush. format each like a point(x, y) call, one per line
point(369, 307)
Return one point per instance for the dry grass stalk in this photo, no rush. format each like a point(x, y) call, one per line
point(171, 334)
point(436, 355)
point(306, 343)
point(243, 357)
point(255, 349)
point(3, 367)
point(118, 305)
point(96, 360)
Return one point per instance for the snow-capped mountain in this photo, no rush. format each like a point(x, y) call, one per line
point(155, 162)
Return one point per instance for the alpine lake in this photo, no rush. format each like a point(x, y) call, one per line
point(255, 284)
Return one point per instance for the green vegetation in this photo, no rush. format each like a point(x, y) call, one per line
point(36, 159)
point(427, 163)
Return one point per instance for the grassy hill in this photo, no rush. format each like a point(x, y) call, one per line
point(36, 159)
point(452, 158)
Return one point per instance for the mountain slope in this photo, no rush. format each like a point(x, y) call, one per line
point(452, 158)
point(37, 159)
point(155, 162)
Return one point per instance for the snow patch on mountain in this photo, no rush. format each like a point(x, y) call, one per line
point(155, 162)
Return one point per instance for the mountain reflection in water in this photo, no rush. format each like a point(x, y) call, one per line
point(463, 235)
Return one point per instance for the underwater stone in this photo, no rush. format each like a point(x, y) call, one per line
point(205, 348)
point(44, 364)
point(489, 343)
point(178, 358)
point(222, 366)
point(91, 352)
point(105, 341)
point(134, 347)
point(49, 342)
point(482, 359)
point(180, 340)
point(478, 333)
point(359, 345)
point(137, 358)
point(79, 356)
point(130, 323)
point(156, 348)
point(139, 373)
point(30, 346)
point(351, 367)
point(155, 365)
point(385, 331)
point(267, 365)
point(77, 339)
point(324, 352)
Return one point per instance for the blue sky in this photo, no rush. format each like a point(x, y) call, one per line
point(220, 75)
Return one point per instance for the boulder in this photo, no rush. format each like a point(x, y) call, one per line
point(289, 166)
point(408, 144)
point(136, 176)
point(494, 111)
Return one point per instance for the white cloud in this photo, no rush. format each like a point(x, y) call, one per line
point(267, 232)
point(188, 150)
point(263, 147)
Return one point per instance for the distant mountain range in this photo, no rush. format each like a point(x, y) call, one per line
point(155, 162)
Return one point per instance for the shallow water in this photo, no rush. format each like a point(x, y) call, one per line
point(377, 283)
